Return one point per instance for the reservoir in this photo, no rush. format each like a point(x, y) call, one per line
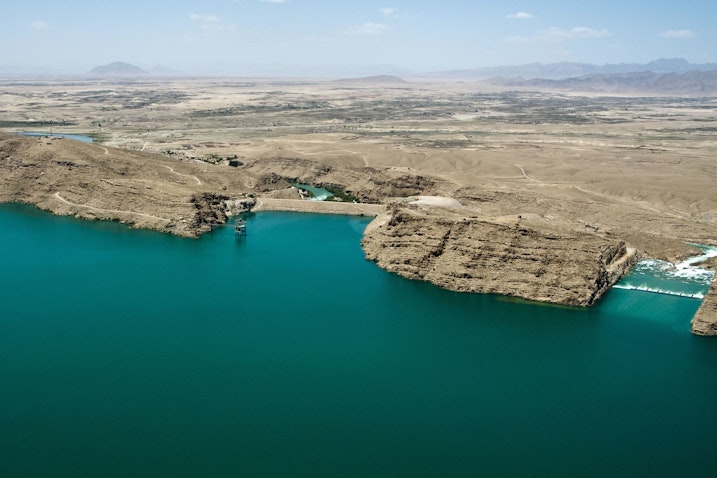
point(285, 353)
point(77, 137)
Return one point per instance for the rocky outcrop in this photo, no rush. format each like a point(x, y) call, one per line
point(366, 184)
point(236, 206)
point(404, 185)
point(506, 256)
point(705, 320)
point(140, 189)
point(271, 182)
point(210, 211)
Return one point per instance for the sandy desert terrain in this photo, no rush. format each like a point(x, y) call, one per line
point(639, 169)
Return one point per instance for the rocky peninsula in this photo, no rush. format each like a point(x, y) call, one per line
point(431, 239)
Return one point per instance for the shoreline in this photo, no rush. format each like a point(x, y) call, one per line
point(704, 322)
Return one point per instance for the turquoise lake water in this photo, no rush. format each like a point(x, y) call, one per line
point(77, 137)
point(319, 194)
point(285, 353)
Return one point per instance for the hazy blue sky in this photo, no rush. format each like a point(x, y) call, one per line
point(324, 37)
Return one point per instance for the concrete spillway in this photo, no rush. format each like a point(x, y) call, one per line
point(696, 295)
point(684, 279)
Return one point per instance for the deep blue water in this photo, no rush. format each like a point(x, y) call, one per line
point(285, 353)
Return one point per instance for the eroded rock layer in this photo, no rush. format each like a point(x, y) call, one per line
point(705, 320)
point(95, 182)
point(497, 255)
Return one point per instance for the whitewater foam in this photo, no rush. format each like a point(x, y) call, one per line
point(683, 279)
point(322, 197)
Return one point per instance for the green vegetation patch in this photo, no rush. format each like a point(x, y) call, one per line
point(339, 193)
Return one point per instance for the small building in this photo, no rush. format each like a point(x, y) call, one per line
point(240, 227)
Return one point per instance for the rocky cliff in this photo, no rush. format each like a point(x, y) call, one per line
point(210, 209)
point(514, 256)
point(705, 320)
point(94, 182)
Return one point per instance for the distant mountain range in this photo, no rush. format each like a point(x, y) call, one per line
point(121, 69)
point(563, 70)
point(551, 71)
point(691, 83)
point(663, 76)
point(117, 68)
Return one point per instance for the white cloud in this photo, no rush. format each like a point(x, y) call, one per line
point(558, 35)
point(39, 25)
point(369, 29)
point(388, 11)
point(204, 17)
point(519, 16)
point(273, 1)
point(555, 33)
point(677, 34)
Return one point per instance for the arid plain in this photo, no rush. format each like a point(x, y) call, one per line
point(578, 173)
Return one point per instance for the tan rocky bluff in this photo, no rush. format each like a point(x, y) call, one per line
point(705, 320)
point(433, 239)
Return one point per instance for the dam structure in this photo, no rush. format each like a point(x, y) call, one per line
point(641, 288)
point(684, 279)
